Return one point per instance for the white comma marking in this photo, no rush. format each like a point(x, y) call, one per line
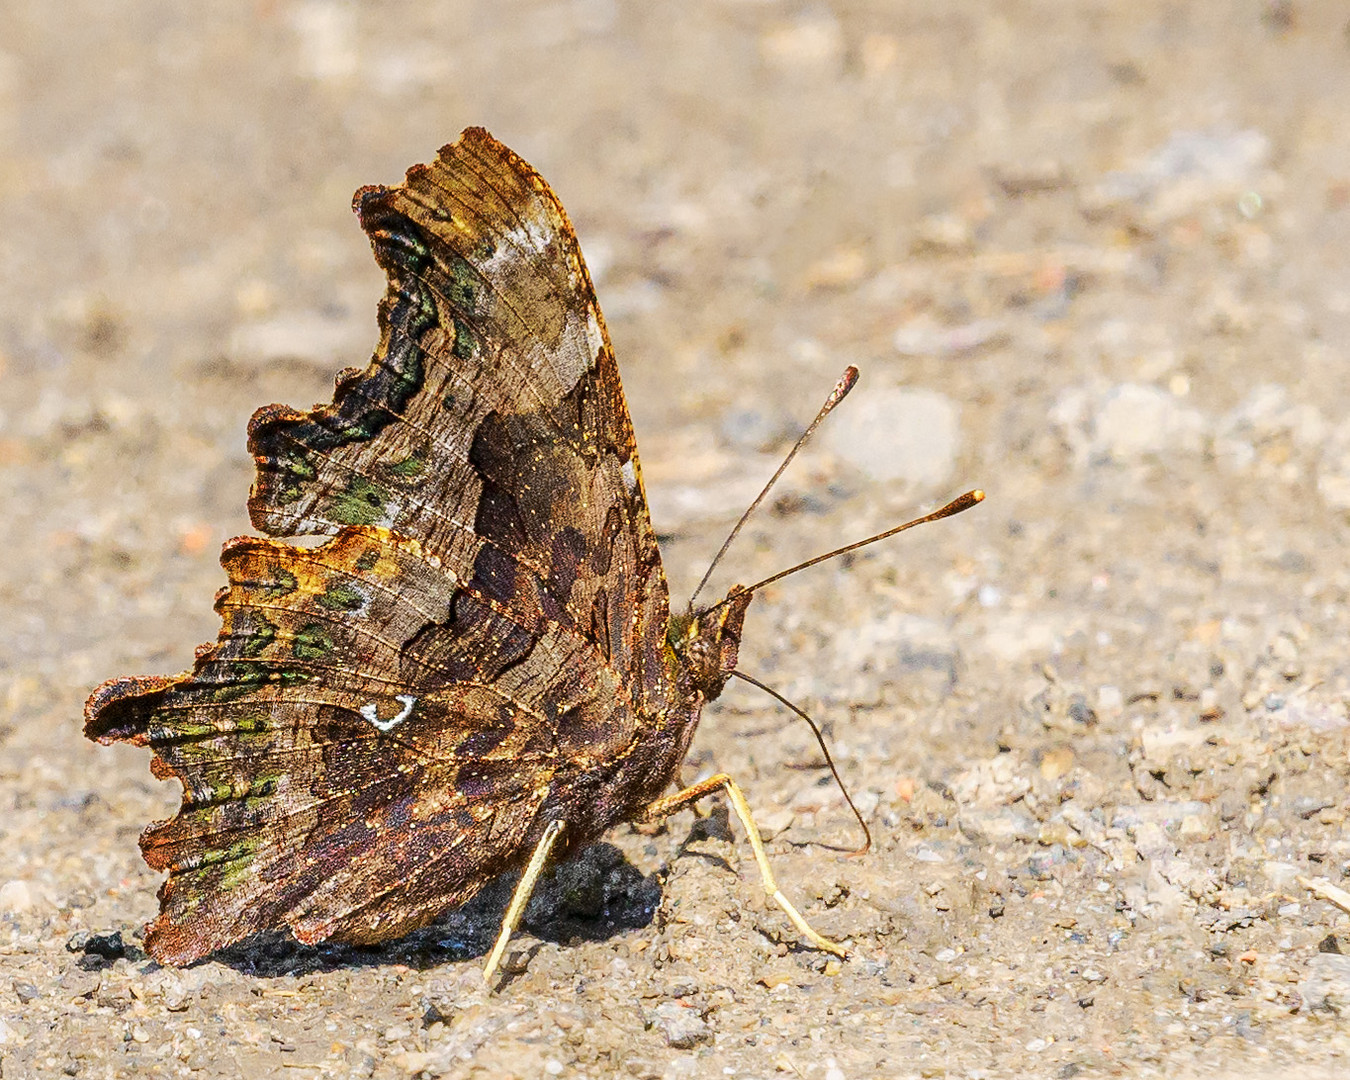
point(371, 712)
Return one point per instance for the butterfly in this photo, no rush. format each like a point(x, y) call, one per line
point(478, 669)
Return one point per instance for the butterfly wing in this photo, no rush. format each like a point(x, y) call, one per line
point(491, 424)
point(373, 734)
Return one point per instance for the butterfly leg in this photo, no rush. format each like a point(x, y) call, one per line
point(524, 890)
point(681, 799)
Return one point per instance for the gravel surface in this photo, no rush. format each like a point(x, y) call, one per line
point(1091, 258)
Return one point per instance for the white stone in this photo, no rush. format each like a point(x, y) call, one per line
point(16, 897)
point(1134, 421)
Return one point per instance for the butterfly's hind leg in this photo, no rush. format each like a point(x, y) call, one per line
point(515, 910)
point(681, 799)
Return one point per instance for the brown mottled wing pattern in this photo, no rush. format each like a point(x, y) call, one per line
point(383, 716)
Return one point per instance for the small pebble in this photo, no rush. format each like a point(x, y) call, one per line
point(1042, 863)
point(1196, 827)
point(1059, 832)
point(105, 946)
point(16, 897)
point(1280, 875)
point(1326, 986)
point(1109, 699)
point(1134, 421)
point(681, 1025)
point(1056, 763)
point(1167, 815)
point(175, 998)
point(997, 826)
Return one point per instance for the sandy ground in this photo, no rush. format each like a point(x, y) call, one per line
point(1091, 258)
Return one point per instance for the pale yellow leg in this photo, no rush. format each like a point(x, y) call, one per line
point(524, 890)
point(669, 805)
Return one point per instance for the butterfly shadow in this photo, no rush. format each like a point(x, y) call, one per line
point(592, 897)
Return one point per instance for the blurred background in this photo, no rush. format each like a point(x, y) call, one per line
point(1089, 257)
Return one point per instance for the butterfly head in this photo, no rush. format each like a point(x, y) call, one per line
point(706, 642)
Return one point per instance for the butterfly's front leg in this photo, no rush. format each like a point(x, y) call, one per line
point(681, 799)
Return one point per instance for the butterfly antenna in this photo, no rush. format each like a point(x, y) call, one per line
point(867, 833)
point(956, 506)
point(846, 383)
